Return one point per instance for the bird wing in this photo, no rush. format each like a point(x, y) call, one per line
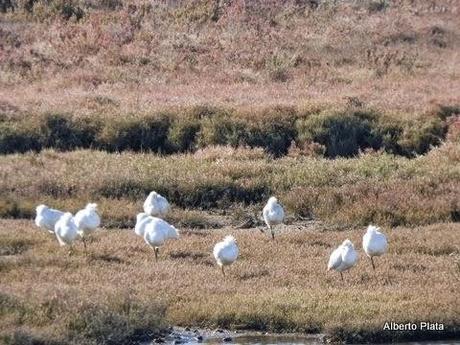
point(349, 258)
point(154, 235)
point(163, 205)
point(148, 205)
point(217, 249)
point(335, 260)
point(139, 229)
point(376, 244)
point(227, 253)
point(55, 215)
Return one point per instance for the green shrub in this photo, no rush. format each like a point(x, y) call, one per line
point(445, 111)
point(419, 137)
point(182, 135)
point(343, 134)
point(271, 130)
point(136, 134)
point(222, 130)
point(340, 133)
point(16, 137)
point(62, 133)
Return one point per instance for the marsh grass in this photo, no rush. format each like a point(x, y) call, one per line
point(233, 184)
point(119, 291)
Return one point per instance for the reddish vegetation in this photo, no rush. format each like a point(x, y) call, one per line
point(132, 57)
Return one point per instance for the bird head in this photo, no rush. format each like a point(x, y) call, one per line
point(347, 243)
point(230, 239)
point(272, 200)
point(41, 208)
point(371, 229)
point(153, 194)
point(67, 217)
point(141, 216)
point(91, 206)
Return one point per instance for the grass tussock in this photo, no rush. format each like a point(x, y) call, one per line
point(234, 184)
point(276, 286)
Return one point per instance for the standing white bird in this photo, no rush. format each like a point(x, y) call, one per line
point(273, 214)
point(46, 217)
point(157, 231)
point(66, 230)
point(156, 205)
point(226, 252)
point(343, 258)
point(374, 243)
point(87, 221)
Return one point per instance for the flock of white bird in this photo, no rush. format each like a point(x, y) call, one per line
point(156, 231)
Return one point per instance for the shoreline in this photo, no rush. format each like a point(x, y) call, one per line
point(191, 335)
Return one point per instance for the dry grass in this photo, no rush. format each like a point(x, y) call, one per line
point(138, 57)
point(276, 286)
point(374, 187)
point(183, 76)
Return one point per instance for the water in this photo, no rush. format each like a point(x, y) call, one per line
point(194, 337)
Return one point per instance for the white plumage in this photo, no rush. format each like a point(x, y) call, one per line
point(87, 220)
point(226, 252)
point(273, 214)
point(47, 218)
point(141, 221)
point(155, 205)
point(66, 230)
point(157, 231)
point(374, 243)
point(343, 258)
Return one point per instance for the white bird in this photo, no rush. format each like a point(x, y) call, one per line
point(46, 217)
point(66, 230)
point(87, 221)
point(273, 214)
point(141, 221)
point(374, 243)
point(226, 252)
point(343, 258)
point(155, 205)
point(157, 231)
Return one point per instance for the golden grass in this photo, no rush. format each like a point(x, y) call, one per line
point(373, 187)
point(276, 286)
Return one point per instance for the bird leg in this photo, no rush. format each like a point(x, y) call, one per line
point(273, 235)
point(84, 245)
point(156, 250)
point(222, 268)
point(341, 275)
point(372, 261)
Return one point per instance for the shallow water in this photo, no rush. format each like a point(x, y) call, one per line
point(279, 340)
point(193, 337)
